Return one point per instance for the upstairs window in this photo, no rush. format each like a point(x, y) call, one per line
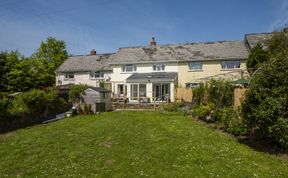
point(230, 64)
point(158, 67)
point(96, 75)
point(195, 66)
point(129, 68)
point(69, 76)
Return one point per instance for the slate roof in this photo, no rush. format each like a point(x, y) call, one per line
point(157, 54)
point(181, 52)
point(254, 38)
point(86, 63)
point(152, 77)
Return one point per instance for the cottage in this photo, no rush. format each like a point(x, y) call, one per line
point(99, 99)
point(90, 69)
point(151, 73)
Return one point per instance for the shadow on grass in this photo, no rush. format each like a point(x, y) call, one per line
point(263, 145)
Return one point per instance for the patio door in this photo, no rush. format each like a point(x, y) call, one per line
point(161, 91)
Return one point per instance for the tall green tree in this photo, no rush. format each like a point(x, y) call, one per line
point(29, 74)
point(265, 108)
point(257, 57)
point(51, 54)
point(53, 51)
point(8, 60)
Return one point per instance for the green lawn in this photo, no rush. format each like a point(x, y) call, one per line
point(131, 144)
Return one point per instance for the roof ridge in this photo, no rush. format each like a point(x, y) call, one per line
point(85, 55)
point(181, 44)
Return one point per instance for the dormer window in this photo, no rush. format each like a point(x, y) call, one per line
point(158, 67)
point(96, 75)
point(129, 68)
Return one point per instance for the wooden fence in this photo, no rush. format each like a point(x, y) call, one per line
point(239, 96)
point(184, 94)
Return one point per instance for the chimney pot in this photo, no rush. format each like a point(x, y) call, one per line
point(153, 42)
point(93, 52)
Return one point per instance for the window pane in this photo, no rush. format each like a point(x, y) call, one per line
point(230, 64)
point(129, 68)
point(158, 67)
point(69, 75)
point(134, 91)
point(142, 90)
point(195, 65)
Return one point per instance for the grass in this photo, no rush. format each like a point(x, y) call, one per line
point(130, 144)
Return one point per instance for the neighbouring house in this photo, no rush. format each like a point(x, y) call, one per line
point(201, 62)
point(99, 99)
point(90, 69)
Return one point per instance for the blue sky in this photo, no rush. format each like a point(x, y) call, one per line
point(106, 25)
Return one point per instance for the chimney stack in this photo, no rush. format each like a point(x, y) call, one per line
point(153, 42)
point(93, 52)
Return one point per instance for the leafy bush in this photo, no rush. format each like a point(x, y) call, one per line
point(232, 120)
point(203, 112)
point(171, 107)
point(4, 106)
point(75, 91)
point(279, 131)
point(32, 103)
point(265, 108)
point(200, 94)
point(219, 92)
point(87, 109)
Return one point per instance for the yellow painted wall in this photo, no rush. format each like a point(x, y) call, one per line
point(209, 68)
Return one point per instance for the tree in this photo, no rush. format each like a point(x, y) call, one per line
point(7, 62)
point(257, 56)
point(265, 108)
point(28, 74)
point(52, 53)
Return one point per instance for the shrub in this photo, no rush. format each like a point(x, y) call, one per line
point(75, 91)
point(87, 109)
point(171, 107)
point(203, 112)
point(55, 103)
point(32, 103)
point(200, 94)
point(266, 105)
point(231, 120)
point(219, 92)
point(4, 106)
point(279, 131)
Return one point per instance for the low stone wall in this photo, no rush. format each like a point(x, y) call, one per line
point(148, 106)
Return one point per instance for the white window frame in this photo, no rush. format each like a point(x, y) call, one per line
point(69, 76)
point(93, 75)
point(192, 66)
point(230, 68)
point(133, 68)
point(158, 67)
